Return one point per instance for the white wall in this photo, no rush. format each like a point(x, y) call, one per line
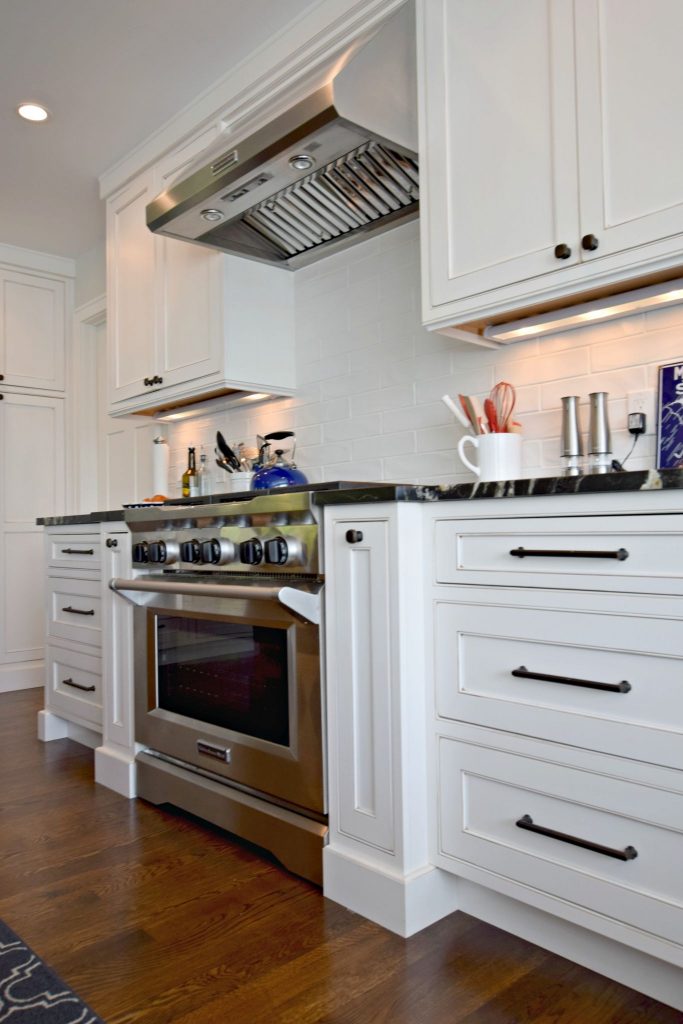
point(371, 377)
point(91, 275)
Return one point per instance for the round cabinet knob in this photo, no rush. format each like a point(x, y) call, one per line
point(354, 536)
point(251, 551)
point(190, 551)
point(562, 251)
point(590, 243)
point(112, 542)
point(218, 551)
point(141, 552)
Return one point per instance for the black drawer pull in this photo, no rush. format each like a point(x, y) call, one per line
point(78, 551)
point(591, 684)
point(78, 686)
point(526, 822)
point(79, 611)
point(620, 555)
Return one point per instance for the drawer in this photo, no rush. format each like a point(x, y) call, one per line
point(638, 657)
point(77, 550)
point(75, 610)
point(486, 794)
point(643, 554)
point(74, 685)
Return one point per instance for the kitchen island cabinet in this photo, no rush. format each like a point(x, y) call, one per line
point(187, 322)
point(537, 641)
point(538, 182)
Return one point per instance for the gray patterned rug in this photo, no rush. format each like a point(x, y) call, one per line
point(30, 993)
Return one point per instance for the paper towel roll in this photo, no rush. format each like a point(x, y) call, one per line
point(160, 466)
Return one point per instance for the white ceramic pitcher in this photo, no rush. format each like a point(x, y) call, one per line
point(500, 455)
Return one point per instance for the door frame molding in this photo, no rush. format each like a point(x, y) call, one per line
point(83, 426)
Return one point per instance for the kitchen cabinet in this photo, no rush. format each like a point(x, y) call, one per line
point(558, 715)
point(377, 859)
point(73, 661)
point(537, 159)
point(32, 472)
point(183, 321)
point(33, 311)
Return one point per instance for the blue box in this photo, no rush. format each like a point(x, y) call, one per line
point(670, 417)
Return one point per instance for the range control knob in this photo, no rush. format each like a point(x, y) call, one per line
point(164, 552)
point(141, 552)
point(218, 551)
point(251, 551)
point(190, 551)
point(283, 551)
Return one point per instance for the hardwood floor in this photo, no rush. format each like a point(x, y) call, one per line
point(155, 917)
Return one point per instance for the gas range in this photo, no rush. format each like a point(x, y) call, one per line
point(274, 532)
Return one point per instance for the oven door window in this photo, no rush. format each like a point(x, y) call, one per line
point(228, 674)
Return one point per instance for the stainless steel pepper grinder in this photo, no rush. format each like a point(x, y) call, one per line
point(600, 451)
point(572, 449)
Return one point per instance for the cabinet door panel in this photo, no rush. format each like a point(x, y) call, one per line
point(188, 279)
point(131, 321)
point(499, 150)
point(629, 94)
point(32, 331)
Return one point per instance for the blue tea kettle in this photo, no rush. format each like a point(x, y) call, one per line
point(276, 471)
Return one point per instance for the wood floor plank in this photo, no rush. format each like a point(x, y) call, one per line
point(157, 918)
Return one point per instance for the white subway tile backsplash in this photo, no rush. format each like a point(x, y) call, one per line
point(370, 377)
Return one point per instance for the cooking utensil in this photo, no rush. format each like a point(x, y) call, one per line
point(458, 413)
point(277, 472)
point(227, 451)
point(503, 398)
point(491, 415)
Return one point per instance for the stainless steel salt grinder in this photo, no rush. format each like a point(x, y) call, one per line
point(571, 436)
point(600, 450)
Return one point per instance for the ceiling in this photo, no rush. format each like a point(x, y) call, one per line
point(111, 72)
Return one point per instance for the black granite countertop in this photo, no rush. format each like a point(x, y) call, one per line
point(83, 519)
point(594, 483)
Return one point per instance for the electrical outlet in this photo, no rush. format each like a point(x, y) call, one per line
point(639, 401)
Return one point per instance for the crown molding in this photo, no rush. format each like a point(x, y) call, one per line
point(43, 262)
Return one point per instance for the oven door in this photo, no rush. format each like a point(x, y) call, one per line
point(232, 685)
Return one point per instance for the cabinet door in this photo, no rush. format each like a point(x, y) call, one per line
point(32, 330)
point(131, 326)
point(629, 95)
point(498, 143)
point(32, 485)
point(188, 290)
point(359, 671)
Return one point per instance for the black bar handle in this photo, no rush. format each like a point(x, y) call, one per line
point(526, 822)
point(77, 686)
point(78, 551)
point(591, 684)
point(621, 555)
point(79, 611)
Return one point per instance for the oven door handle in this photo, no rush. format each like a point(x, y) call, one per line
point(306, 605)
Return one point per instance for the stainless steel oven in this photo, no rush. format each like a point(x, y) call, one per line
point(229, 697)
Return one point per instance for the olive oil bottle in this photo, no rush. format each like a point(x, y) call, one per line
point(190, 478)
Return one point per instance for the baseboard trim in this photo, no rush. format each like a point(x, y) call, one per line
point(404, 904)
point(630, 967)
point(52, 727)
point(26, 675)
point(116, 770)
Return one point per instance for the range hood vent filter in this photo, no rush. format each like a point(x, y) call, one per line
point(348, 194)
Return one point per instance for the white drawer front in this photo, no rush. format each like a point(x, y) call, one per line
point(74, 685)
point(643, 554)
point(484, 792)
point(479, 646)
point(78, 550)
point(75, 611)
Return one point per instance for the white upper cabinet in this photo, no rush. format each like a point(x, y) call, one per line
point(629, 88)
point(186, 321)
point(32, 331)
point(549, 157)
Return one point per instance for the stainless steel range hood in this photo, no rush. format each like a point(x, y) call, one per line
point(337, 166)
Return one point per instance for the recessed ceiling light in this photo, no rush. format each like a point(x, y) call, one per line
point(32, 112)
